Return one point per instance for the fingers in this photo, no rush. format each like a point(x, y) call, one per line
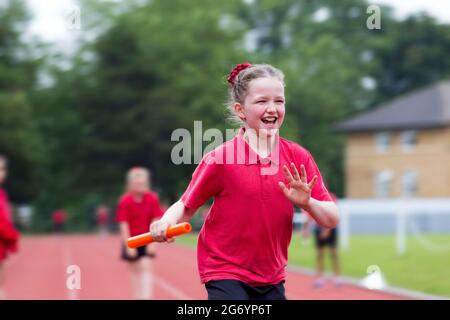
point(313, 182)
point(295, 171)
point(296, 177)
point(283, 188)
point(158, 230)
point(297, 180)
point(288, 174)
point(303, 175)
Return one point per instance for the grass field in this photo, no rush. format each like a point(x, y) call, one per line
point(424, 267)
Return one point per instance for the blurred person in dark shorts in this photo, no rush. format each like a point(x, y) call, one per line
point(324, 239)
point(137, 208)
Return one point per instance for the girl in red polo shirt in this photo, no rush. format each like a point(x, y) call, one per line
point(255, 179)
point(137, 208)
point(8, 234)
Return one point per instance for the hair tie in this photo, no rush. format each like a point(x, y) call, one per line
point(234, 73)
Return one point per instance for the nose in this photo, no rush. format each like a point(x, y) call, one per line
point(271, 108)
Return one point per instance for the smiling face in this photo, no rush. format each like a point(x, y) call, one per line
point(263, 109)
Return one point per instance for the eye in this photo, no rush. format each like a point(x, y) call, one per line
point(261, 101)
point(279, 101)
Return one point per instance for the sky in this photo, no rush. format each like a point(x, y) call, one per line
point(437, 8)
point(49, 18)
point(51, 24)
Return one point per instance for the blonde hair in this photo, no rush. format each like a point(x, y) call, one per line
point(137, 172)
point(238, 90)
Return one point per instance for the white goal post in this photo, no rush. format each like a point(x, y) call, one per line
point(402, 208)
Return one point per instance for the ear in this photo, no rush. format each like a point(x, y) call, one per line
point(239, 109)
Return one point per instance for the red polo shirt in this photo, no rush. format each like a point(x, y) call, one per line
point(138, 214)
point(247, 232)
point(8, 234)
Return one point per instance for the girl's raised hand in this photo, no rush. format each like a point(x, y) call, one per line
point(298, 190)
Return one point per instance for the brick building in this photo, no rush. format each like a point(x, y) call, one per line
point(401, 148)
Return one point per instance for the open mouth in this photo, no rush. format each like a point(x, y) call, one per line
point(269, 120)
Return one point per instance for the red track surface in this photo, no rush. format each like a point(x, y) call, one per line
point(38, 271)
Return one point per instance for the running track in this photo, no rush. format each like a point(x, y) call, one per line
point(38, 271)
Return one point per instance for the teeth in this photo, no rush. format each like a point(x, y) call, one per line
point(269, 120)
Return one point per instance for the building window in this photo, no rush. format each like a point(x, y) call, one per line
point(382, 140)
point(408, 140)
point(383, 183)
point(409, 183)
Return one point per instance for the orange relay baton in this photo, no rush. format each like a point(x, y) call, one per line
point(146, 238)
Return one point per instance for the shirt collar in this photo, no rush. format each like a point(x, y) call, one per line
point(246, 155)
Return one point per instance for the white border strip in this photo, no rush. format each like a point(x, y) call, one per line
point(406, 293)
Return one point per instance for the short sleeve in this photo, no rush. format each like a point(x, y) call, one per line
point(319, 191)
point(205, 183)
point(122, 212)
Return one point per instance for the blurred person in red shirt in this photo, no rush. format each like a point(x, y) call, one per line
point(102, 218)
point(9, 236)
point(58, 218)
point(137, 208)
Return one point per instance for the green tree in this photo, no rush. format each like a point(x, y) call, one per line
point(155, 68)
point(19, 137)
point(320, 46)
point(412, 54)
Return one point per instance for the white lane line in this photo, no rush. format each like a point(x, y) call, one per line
point(71, 293)
point(165, 285)
point(394, 291)
point(180, 295)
